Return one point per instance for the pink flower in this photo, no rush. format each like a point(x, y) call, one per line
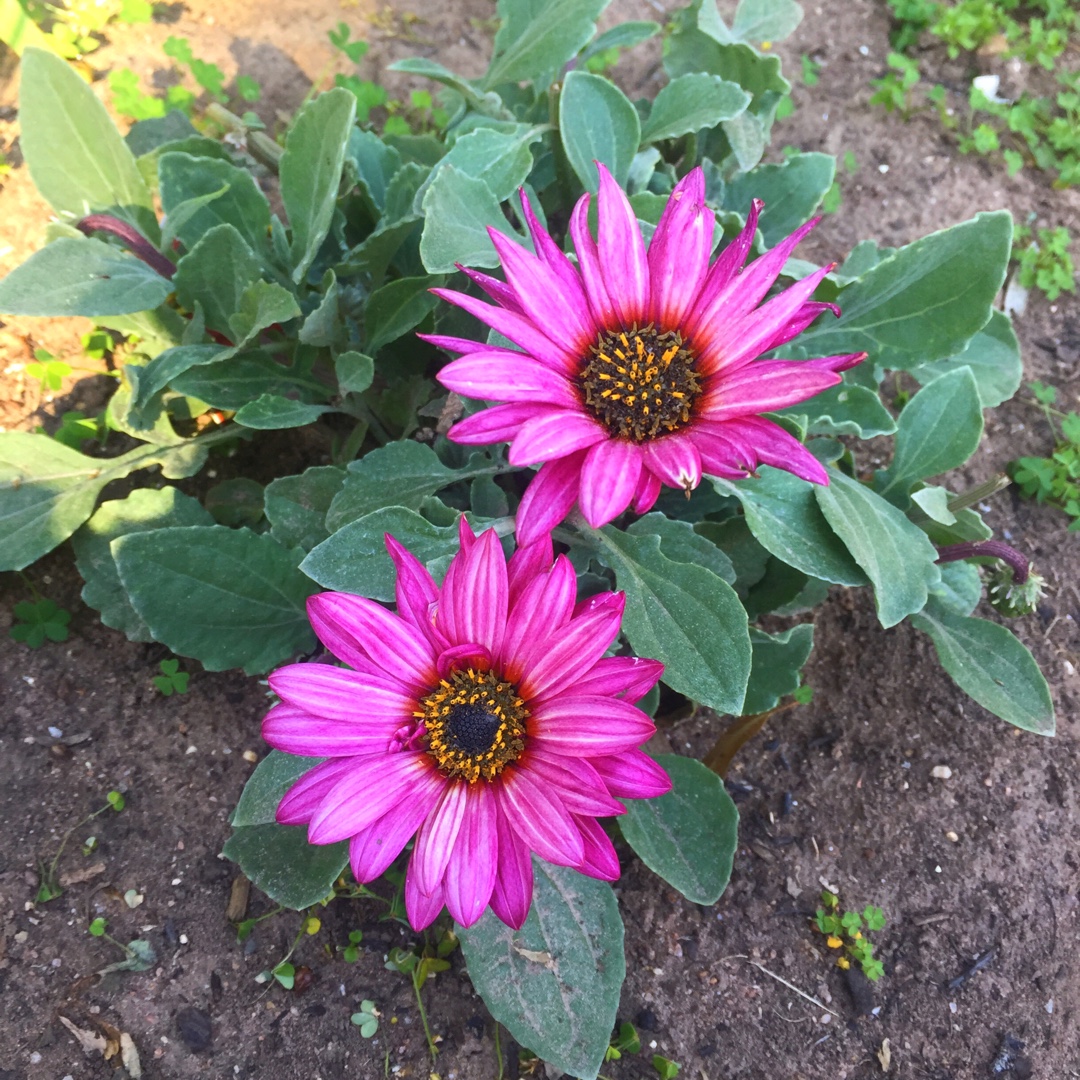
point(639, 368)
point(483, 719)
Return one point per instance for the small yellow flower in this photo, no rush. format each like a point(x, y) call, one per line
point(833, 941)
point(312, 926)
point(843, 962)
point(858, 935)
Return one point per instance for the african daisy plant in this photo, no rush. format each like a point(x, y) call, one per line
point(577, 416)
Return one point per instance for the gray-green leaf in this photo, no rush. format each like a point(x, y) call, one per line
point(597, 122)
point(279, 860)
point(272, 778)
point(778, 662)
point(690, 103)
point(296, 506)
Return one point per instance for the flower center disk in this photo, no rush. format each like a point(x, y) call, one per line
point(640, 384)
point(474, 724)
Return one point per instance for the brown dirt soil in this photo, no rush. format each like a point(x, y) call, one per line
point(865, 816)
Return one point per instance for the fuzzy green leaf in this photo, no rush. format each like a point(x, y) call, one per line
point(279, 860)
point(296, 506)
point(778, 661)
point(273, 776)
point(597, 122)
point(690, 103)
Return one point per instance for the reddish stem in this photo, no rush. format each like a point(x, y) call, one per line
point(993, 549)
point(138, 245)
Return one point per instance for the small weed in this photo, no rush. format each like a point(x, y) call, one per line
point(48, 370)
point(367, 1019)
point(48, 885)
point(171, 680)
point(75, 428)
point(1044, 260)
point(285, 974)
point(351, 953)
point(1054, 479)
point(894, 91)
point(848, 931)
point(420, 963)
point(139, 955)
point(627, 1041)
point(811, 70)
point(39, 621)
point(665, 1068)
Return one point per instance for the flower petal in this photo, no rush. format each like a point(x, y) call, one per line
point(633, 775)
point(519, 329)
point(577, 784)
point(550, 496)
point(629, 677)
point(729, 261)
point(303, 798)
point(589, 263)
point(294, 731)
point(393, 645)
point(422, 908)
point(774, 446)
point(589, 726)
point(470, 874)
point(554, 435)
point(373, 786)
point(334, 693)
point(541, 821)
point(502, 292)
point(435, 839)
point(600, 860)
point(545, 606)
point(512, 894)
point(415, 590)
point(675, 460)
point(527, 561)
point(609, 478)
point(556, 259)
point(499, 423)
point(453, 344)
point(474, 598)
point(764, 386)
point(798, 323)
point(372, 851)
point(498, 375)
point(623, 260)
point(648, 491)
point(679, 250)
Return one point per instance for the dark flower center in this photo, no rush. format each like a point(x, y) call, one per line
point(640, 384)
point(474, 724)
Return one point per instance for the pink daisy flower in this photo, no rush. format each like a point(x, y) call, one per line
point(639, 367)
point(483, 719)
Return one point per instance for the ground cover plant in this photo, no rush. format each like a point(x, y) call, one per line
point(308, 338)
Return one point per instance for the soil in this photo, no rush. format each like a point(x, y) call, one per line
point(978, 874)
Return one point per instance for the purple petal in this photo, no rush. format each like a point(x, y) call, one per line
point(394, 646)
point(622, 252)
point(294, 731)
point(556, 260)
point(527, 561)
point(474, 599)
point(729, 262)
point(517, 328)
point(543, 296)
point(679, 250)
point(774, 446)
point(648, 491)
point(629, 677)
point(372, 851)
point(469, 655)
point(415, 590)
point(578, 786)
point(837, 363)
point(512, 894)
point(549, 497)
point(503, 376)
point(422, 908)
point(600, 860)
point(373, 786)
point(589, 726)
point(501, 423)
point(633, 775)
point(545, 606)
point(724, 452)
point(798, 323)
point(541, 821)
point(675, 460)
point(470, 875)
point(558, 661)
point(436, 837)
point(303, 798)
point(589, 263)
point(335, 693)
point(453, 344)
point(609, 478)
point(764, 386)
point(554, 435)
point(501, 292)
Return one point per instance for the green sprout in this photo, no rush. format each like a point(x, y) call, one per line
point(847, 931)
point(172, 679)
point(367, 1019)
point(421, 962)
point(39, 621)
point(351, 952)
point(48, 885)
point(627, 1041)
point(50, 371)
point(1054, 479)
point(665, 1067)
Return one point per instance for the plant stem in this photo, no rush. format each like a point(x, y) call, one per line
point(137, 244)
point(432, 1048)
point(988, 549)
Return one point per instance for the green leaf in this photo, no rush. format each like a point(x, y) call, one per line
point(243, 205)
point(785, 519)
point(279, 860)
point(791, 192)
point(310, 171)
point(375, 252)
point(261, 305)
point(778, 661)
point(539, 38)
point(323, 326)
point(990, 665)
point(747, 138)
point(757, 21)
point(240, 380)
point(77, 159)
point(402, 473)
point(683, 615)
point(960, 588)
point(397, 307)
point(688, 836)
point(155, 376)
point(272, 412)
point(680, 542)
point(215, 274)
point(245, 587)
point(376, 163)
point(144, 509)
point(692, 102)
point(296, 506)
point(924, 302)
point(354, 558)
point(939, 429)
point(896, 555)
point(597, 122)
point(501, 158)
point(489, 104)
point(624, 35)
point(354, 371)
point(48, 490)
point(554, 984)
point(273, 776)
point(81, 277)
point(458, 210)
point(993, 355)
point(847, 409)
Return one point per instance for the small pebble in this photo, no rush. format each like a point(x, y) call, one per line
point(250, 755)
point(952, 837)
point(941, 772)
